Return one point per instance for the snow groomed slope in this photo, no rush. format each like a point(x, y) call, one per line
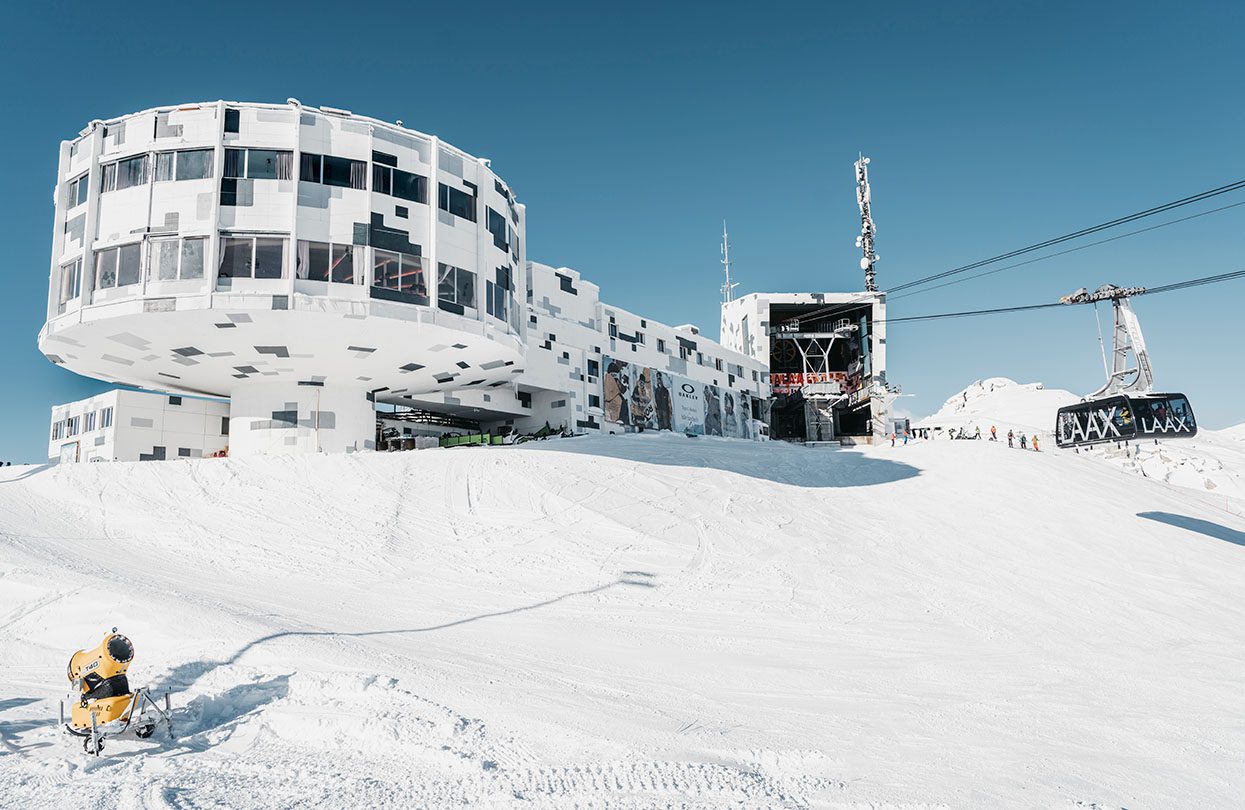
point(632, 622)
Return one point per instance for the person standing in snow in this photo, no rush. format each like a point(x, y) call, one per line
point(892, 439)
point(1035, 443)
point(1023, 442)
point(977, 433)
point(1011, 439)
point(994, 434)
point(905, 438)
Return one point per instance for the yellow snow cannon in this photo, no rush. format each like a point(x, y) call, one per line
point(101, 702)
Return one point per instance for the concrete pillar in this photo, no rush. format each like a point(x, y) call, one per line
point(283, 417)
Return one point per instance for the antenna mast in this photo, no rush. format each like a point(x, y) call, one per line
point(867, 229)
point(728, 289)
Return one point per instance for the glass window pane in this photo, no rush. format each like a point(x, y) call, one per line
point(164, 166)
point(382, 179)
point(466, 288)
point(445, 282)
point(261, 164)
point(164, 253)
point(235, 162)
point(83, 186)
point(413, 276)
point(269, 258)
point(194, 164)
point(235, 258)
point(309, 167)
point(338, 171)
point(129, 265)
point(132, 172)
point(317, 262)
point(106, 268)
point(192, 258)
point(385, 269)
point(410, 186)
point(342, 270)
point(109, 182)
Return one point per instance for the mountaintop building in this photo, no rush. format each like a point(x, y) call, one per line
point(291, 277)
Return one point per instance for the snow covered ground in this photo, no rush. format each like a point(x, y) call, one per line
point(643, 621)
point(1212, 462)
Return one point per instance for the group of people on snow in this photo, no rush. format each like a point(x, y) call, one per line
point(1012, 436)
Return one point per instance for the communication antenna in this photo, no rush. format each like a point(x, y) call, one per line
point(865, 240)
point(728, 289)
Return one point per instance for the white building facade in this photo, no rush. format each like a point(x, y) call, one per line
point(122, 425)
point(593, 367)
point(301, 262)
point(303, 265)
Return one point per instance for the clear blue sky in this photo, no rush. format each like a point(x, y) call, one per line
point(631, 131)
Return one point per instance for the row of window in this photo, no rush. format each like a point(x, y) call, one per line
point(277, 164)
point(68, 427)
point(263, 257)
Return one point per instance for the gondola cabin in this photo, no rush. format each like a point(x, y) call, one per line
point(1125, 418)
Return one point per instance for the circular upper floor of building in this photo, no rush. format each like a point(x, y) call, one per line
point(180, 224)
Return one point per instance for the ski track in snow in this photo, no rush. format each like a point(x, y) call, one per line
point(644, 621)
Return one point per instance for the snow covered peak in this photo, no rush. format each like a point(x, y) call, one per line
point(1003, 403)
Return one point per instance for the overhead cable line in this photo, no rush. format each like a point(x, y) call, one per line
point(1205, 195)
point(1069, 250)
point(1180, 285)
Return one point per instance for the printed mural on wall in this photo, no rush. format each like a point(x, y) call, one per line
point(644, 397)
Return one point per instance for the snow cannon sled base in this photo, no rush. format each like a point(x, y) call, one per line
point(103, 705)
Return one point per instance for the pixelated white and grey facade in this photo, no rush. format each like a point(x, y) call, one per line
point(306, 264)
point(825, 355)
point(301, 262)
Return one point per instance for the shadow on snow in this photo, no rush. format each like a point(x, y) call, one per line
point(1198, 525)
point(780, 462)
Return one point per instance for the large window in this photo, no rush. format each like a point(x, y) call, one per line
point(496, 300)
point(105, 418)
point(71, 281)
point(190, 164)
point(324, 261)
point(118, 266)
point(459, 203)
point(400, 271)
point(497, 226)
point(76, 190)
point(456, 285)
point(333, 171)
point(124, 174)
point(400, 184)
point(259, 164)
point(252, 257)
point(172, 259)
point(89, 422)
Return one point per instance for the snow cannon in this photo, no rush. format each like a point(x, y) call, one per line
point(99, 674)
point(101, 702)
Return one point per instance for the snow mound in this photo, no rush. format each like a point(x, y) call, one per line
point(1003, 403)
point(634, 622)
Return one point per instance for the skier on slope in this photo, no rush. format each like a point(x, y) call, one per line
point(1035, 444)
point(977, 433)
point(1010, 439)
point(892, 439)
point(994, 434)
point(1023, 442)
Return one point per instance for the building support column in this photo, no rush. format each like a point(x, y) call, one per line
point(284, 418)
